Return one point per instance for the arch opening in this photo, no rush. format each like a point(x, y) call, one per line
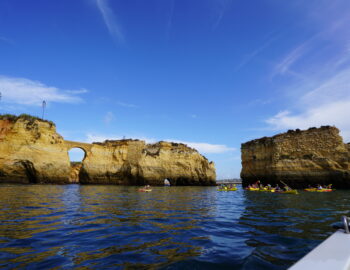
point(77, 156)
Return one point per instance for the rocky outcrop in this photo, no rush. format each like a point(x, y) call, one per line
point(74, 172)
point(299, 158)
point(135, 162)
point(31, 151)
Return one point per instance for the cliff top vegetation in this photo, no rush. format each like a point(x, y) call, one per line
point(25, 117)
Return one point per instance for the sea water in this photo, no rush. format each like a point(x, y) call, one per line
point(97, 227)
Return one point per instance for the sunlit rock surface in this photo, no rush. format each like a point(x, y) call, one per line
point(31, 151)
point(299, 158)
point(135, 162)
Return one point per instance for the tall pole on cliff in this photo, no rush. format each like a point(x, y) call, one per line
point(44, 105)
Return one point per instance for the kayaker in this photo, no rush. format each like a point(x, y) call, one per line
point(269, 187)
point(286, 188)
point(261, 186)
point(256, 184)
point(319, 187)
point(166, 182)
point(277, 187)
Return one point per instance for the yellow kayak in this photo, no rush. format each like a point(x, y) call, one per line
point(252, 189)
point(318, 190)
point(227, 189)
point(292, 191)
point(145, 190)
point(311, 189)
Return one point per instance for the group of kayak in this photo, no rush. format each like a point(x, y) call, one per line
point(277, 189)
point(319, 188)
point(286, 189)
point(230, 187)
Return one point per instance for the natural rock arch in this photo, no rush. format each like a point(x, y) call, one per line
point(76, 166)
point(80, 148)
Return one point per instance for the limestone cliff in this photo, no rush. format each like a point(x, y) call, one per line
point(299, 158)
point(31, 151)
point(135, 162)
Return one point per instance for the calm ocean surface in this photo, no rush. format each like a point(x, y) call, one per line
point(98, 227)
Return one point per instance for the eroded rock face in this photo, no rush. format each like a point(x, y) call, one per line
point(299, 158)
point(31, 151)
point(134, 162)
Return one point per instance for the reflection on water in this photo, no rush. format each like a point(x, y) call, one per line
point(173, 228)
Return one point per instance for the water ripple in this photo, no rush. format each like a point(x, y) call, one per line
point(94, 227)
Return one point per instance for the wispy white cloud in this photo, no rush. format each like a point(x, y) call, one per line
point(28, 92)
point(328, 103)
point(320, 94)
point(249, 57)
point(76, 92)
point(93, 137)
point(204, 148)
point(292, 57)
point(221, 6)
point(109, 118)
point(110, 20)
point(127, 105)
point(333, 113)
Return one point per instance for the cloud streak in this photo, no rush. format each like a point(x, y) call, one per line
point(206, 148)
point(222, 7)
point(254, 53)
point(109, 118)
point(327, 103)
point(28, 92)
point(320, 94)
point(126, 105)
point(110, 20)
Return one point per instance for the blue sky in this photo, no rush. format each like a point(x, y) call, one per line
point(210, 73)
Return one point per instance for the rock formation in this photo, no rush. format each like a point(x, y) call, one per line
point(298, 158)
point(137, 163)
point(31, 151)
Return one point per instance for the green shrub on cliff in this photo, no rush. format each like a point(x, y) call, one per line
point(23, 116)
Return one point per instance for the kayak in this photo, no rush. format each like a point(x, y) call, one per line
point(252, 189)
point(227, 189)
point(145, 190)
point(292, 191)
point(263, 189)
point(311, 189)
point(318, 190)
